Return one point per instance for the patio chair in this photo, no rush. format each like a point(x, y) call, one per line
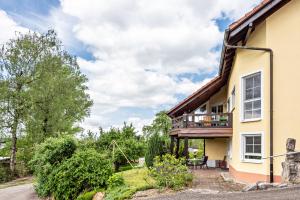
point(223, 163)
point(203, 162)
point(207, 121)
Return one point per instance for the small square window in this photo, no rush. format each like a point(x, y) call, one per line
point(251, 147)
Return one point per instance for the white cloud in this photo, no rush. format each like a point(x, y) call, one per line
point(8, 27)
point(143, 49)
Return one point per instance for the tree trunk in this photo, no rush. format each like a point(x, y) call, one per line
point(12, 163)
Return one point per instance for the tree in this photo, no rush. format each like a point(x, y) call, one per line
point(127, 140)
point(157, 135)
point(155, 147)
point(17, 64)
point(161, 124)
point(42, 89)
point(65, 102)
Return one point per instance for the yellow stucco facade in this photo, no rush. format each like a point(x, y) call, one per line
point(280, 32)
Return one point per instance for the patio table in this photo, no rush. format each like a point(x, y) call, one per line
point(194, 160)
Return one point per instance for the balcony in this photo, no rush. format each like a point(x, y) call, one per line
point(202, 125)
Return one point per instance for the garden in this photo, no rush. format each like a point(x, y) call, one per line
point(70, 168)
point(40, 136)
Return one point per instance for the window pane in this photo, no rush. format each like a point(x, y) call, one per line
point(249, 94)
point(248, 115)
point(257, 149)
point(248, 106)
point(257, 140)
point(257, 104)
point(257, 113)
point(249, 82)
point(249, 140)
point(249, 148)
point(214, 109)
point(257, 93)
point(220, 109)
point(257, 80)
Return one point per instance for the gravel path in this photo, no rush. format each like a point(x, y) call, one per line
point(279, 194)
point(20, 192)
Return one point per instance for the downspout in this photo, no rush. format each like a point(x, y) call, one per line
point(270, 51)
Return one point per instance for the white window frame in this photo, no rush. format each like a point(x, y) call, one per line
point(242, 146)
point(242, 119)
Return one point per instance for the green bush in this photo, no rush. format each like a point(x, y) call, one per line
point(170, 172)
point(154, 148)
point(120, 193)
point(115, 180)
point(47, 157)
point(88, 195)
point(5, 174)
point(85, 170)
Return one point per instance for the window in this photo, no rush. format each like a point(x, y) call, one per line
point(217, 109)
point(252, 96)
point(252, 147)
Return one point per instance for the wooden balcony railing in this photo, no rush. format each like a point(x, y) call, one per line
point(223, 120)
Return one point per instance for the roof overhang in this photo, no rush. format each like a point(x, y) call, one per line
point(237, 32)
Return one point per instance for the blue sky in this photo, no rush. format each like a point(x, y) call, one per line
point(140, 56)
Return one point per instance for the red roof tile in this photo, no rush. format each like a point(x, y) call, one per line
point(249, 14)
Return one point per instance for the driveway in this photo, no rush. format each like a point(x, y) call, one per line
point(20, 192)
point(279, 194)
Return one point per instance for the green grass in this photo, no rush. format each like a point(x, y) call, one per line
point(135, 180)
point(138, 178)
point(127, 167)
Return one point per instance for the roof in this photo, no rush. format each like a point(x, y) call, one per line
point(235, 33)
point(249, 14)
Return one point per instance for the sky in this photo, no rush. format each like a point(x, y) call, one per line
point(140, 56)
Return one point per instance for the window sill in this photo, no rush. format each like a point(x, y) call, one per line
point(251, 120)
point(252, 161)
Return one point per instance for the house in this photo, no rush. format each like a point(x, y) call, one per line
point(249, 110)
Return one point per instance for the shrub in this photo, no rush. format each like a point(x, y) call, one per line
point(115, 180)
point(120, 193)
point(170, 172)
point(47, 157)
point(154, 148)
point(5, 174)
point(85, 170)
point(88, 195)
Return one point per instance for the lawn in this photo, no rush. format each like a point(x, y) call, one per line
point(138, 178)
point(135, 180)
